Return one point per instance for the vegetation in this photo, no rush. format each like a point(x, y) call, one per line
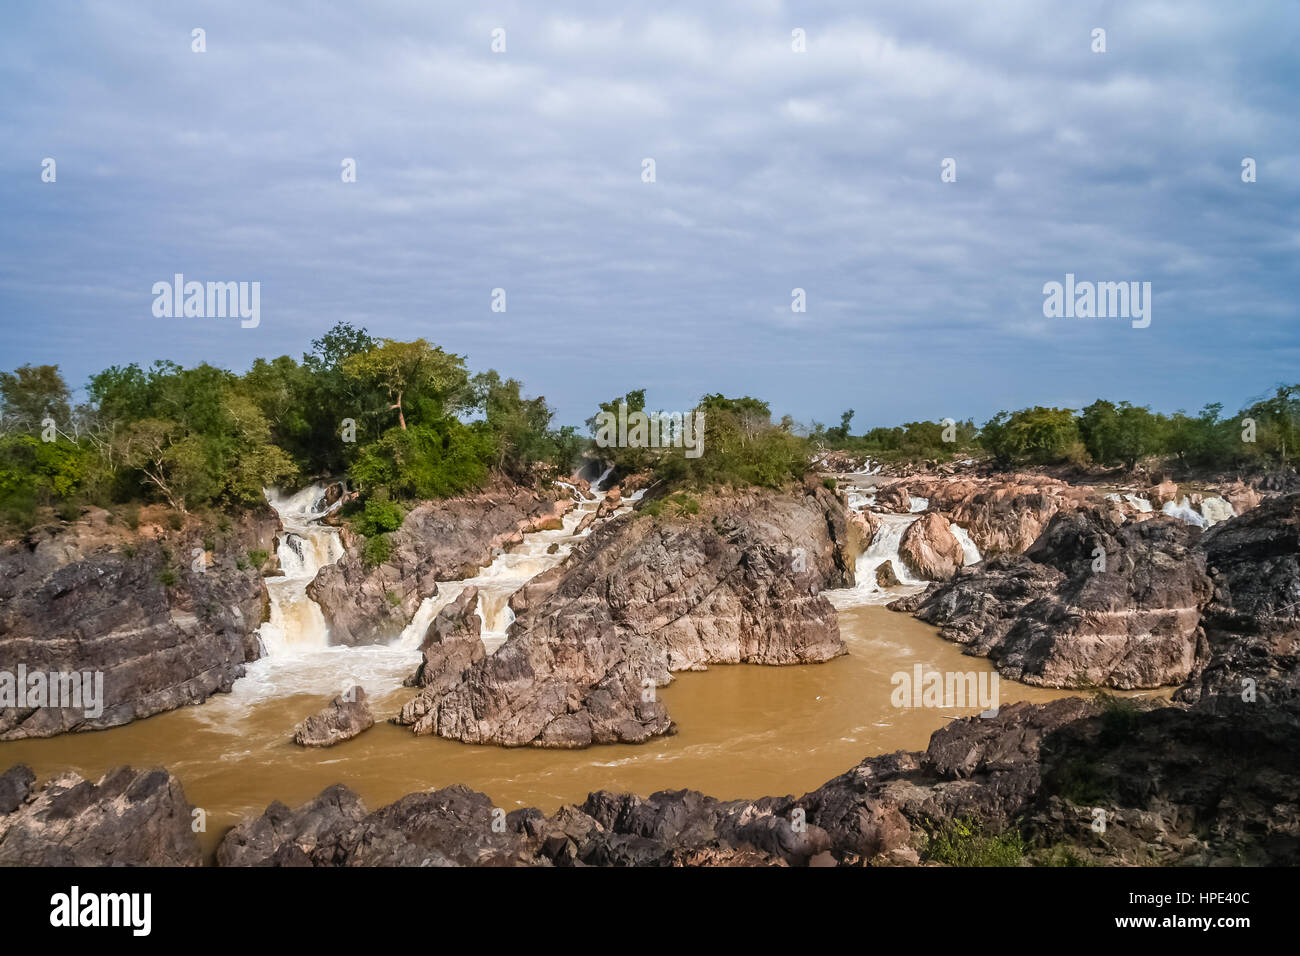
point(405, 421)
point(963, 842)
point(1262, 436)
point(402, 420)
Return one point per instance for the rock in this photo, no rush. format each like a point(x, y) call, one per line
point(1049, 618)
point(893, 498)
point(1004, 514)
point(585, 522)
point(15, 784)
point(304, 837)
point(449, 827)
point(638, 599)
point(865, 524)
point(614, 497)
point(1252, 625)
point(1161, 493)
point(553, 548)
point(1241, 496)
point(885, 576)
point(129, 818)
point(159, 634)
point(443, 540)
point(930, 549)
point(452, 645)
point(346, 716)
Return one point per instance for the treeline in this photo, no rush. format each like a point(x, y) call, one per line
point(1260, 437)
point(402, 420)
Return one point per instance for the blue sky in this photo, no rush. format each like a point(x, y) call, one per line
point(774, 170)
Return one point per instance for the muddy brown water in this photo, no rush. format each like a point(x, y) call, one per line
point(743, 731)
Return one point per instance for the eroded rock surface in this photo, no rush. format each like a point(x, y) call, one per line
point(438, 541)
point(642, 597)
point(346, 716)
point(1091, 603)
point(133, 609)
point(129, 818)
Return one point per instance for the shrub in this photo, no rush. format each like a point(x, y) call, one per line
point(376, 550)
point(379, 516)
point(258, 558)
point(964, 843)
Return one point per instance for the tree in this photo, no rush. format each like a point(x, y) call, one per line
point(32, 393)
point(410, 373)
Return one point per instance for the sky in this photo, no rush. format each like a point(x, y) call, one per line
point(774, 169)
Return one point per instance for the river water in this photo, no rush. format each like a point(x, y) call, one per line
point(743, 730)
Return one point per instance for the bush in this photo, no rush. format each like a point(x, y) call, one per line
point(829, 483)
point(376, 550)
point(674, 506)
point(379, 516)
point(167, 578)
point(257, 558)
point(964, 843)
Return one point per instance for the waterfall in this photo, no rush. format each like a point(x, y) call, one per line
point(498, 582)
point(296, 622)
point(595, 485)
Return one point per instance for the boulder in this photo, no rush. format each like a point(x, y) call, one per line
point(886, 576)
point(346, 716)
point(929, 548)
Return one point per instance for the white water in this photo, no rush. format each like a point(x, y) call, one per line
point(1185, 512)
point(497, 582)
point(1216, 509)
point(970, 552)
point(296, 622)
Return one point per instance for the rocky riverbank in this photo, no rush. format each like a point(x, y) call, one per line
point(167, 616)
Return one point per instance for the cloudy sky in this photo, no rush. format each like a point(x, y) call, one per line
point(774, 170)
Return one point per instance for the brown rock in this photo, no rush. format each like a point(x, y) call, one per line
point(929, 548)
point(346, 716)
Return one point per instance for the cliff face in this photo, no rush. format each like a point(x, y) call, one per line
point(94, 598)
point(438, 541)
point(1090, 603)
point(639, 598)
point(1252, 625)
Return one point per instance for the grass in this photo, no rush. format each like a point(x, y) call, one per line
point(964, 842)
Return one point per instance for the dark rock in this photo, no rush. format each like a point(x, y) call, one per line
point(129, 818)
point(346, 716)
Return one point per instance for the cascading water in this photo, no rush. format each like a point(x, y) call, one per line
point(884, 547)
point(306, 546)
point(501, 579)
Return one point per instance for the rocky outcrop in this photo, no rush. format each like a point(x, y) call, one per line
point(134, 610)
point(893, 499)
point(129, 818)
point(641, 597)
point(346, 716)
point(1091, 603)
point(443, 540)
point(1003, 514)
point(1174, 785)
point(929, 548)
point(886, 577)
point(1252, 625)
point(451, 827)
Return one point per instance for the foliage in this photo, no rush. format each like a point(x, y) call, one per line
point(963, 842)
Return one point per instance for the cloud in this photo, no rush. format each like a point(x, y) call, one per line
point(774, 170)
